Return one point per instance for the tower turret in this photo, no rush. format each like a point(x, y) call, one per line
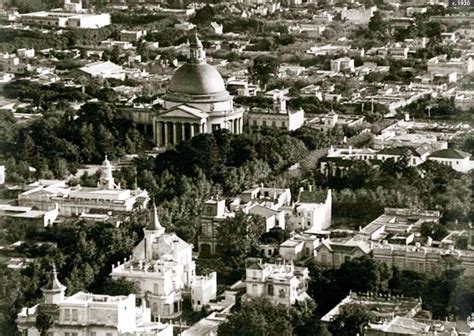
point(152, 231)
point(106, 177)
point(54, 291)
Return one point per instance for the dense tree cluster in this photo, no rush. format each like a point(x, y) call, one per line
point(180, 180)
point(445, 294)
point(260, 318)
point(396, 184)
point(55, 144)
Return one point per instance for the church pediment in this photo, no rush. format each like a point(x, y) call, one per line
point(183, 111)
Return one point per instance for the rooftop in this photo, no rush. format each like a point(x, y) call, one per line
point(450, 154)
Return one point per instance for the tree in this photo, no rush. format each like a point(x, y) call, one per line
point(434, 230)
point(263, 68)
point(258, 317)
point(329, 33)
point(238, 236)
point(378, 24)
point(120, 287)
point(204, 16)
point(351, 320)
point(44, 321)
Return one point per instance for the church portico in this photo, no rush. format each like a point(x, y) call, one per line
point(170, 133)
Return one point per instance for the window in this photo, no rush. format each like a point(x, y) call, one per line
point(283, 124)
point(74, 315)
point(176, 306)
point(254, 288)
point(67, 314)
point(270, 290)
point(264, 123)
point(109, 334)
point(282, 294)
point(274, 123)
point(347, 259)
point(255, 122)
point(155, 288)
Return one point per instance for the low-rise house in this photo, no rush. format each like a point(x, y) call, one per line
point(132, 35)
point(312, 90)
point(440, 64)
point(449, 38)
point(287, 70)
point(311, 212)
point(308, 29)
point(25, 53)
point(184, 26)
point(398, 225)
point(456, 159)
point(343, 64)
point(327, 122)
point(37, 218)
point(464, 100)
point(122, 45)
point(424, 259)
point(398, 51)
point(333, 252)
point(328, 50)
point(65, 20)
point(241, 87)
point(360, 15)
point(299, 246)
point(12, 63)
point(89, 314)
point(103, 70)
point(279, 117)
point(279, 283)
point(214, 213)
point(382, 306)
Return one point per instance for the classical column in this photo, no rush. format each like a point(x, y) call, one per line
point(183, 131)
point(165, 132)
point(153, 125)
point(157, 132)
point(174, 133)
point(203, 126)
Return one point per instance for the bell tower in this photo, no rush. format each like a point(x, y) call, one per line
point(197, 54)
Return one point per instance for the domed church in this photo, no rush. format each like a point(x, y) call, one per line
point(196, 102)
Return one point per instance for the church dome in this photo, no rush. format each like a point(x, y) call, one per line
point(197, 79)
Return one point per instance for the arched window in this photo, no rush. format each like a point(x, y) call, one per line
point(270, 290)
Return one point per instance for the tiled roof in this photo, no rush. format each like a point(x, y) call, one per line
point(450, 154)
